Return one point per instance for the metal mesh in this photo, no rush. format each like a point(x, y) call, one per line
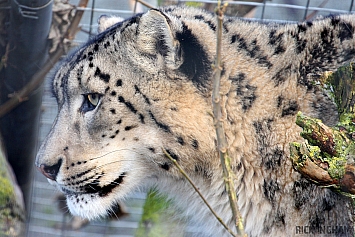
point(47, 218)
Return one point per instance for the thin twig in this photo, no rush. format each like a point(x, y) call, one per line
point(221, 138)
point(145, 4)
point(38, 78)
point(198, 192)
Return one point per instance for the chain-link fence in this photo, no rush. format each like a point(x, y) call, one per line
point(48, 215)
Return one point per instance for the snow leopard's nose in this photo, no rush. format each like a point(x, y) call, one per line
point(50, 171)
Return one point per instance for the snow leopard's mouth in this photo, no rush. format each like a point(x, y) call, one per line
point(95, 188)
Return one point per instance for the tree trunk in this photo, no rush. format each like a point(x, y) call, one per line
point(12, 212)
point(26, 52)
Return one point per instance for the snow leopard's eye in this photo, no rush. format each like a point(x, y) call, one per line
point(93, 99)
point(90, 102)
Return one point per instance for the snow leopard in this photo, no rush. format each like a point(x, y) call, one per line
point(143, 86)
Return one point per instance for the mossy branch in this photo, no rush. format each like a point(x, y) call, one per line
point(328, 156)
point(218, 121)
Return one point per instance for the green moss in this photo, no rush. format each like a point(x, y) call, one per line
point(6, 191)
point(157, 217)
point(336, 168)
point(194, 4)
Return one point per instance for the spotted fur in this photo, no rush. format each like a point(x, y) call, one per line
point(152, 77)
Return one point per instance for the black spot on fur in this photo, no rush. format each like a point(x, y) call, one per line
point(300, 191)
point(102, 76)
point(346, 31)
point(83, 173)
point(282, 75)
point(144, 96)
point(279, 101)
point(223, 71)
point(165, 166)
point(273, 159)
point(302, 27)
point(291, 108)
point(133, 20)
point(96, 47)
point(263, 132)
point(106, 44)
point(270, 188)
point(94, 187)
point(276, 41)
point(119, 82)
point(244, 91)
point(79, 74)
point(113, 111)
point(141, 118)
point(152, 149)
point(196, 64)
point(300, 42)
point(233, 39)
point(113, 93)
point(328, 204)
point(326, 55)
point(239, 166)
point(195, 144)
point(172, 154)
point(180, 140)
point(280, 218)
point(127, 128)
point(128, 104)
point(209, 23)
point(163, 126)
point(253, 50)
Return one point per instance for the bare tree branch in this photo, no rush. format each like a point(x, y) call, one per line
point(218, 121)
point(198, 192)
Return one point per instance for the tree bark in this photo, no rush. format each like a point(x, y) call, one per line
point(12, 210)
point(27, 52)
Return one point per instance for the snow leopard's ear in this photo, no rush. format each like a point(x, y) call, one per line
point(156, 35)
point(106, 21)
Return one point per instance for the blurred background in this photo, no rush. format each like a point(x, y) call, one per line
point(24, 127)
